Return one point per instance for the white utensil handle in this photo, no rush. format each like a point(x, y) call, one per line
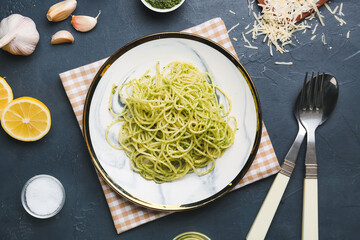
point(267, 211)
point(310, 210)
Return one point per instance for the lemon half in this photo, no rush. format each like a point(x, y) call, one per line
point(26, 119)
point(6, 94)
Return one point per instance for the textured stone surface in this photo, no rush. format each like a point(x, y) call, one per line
point(63, 154)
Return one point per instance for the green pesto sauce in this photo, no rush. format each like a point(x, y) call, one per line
point(163, 4)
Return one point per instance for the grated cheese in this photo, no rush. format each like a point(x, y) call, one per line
point(323, 39)
point(348, 34)
point(251, 46)
point(232, 12)
point(340, 20)
point(284, 63)
point(340, 10)
point(233, 27)
point(250, 6)
point(335, 9)
point(264, 40)
point(310, 17)
point(250, 31)
point(316, 10)
point(235, 39)
point(245, 39)
point(314, 30)
point(277, 21)
point(329, 9)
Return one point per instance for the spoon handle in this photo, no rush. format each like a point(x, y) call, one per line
point(310, 202)
point(310, 209)
point(268, 209)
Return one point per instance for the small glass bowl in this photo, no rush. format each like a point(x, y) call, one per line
point(148, 5)
point(24, 202)
point(191, 236)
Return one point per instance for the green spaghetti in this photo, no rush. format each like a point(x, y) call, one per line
point(172, 123)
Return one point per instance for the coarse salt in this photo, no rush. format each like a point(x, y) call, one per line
point(44, 195)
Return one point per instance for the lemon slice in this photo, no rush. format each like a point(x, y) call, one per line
point(6, 94)
point(26, 119)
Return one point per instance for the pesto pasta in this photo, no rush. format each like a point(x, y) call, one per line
point(172, 123)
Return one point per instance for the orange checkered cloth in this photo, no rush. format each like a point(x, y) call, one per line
point(127, 215)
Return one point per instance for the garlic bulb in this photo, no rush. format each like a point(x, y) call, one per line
point(62, 36)
point(61, 10)
point(18, 35)
point(84, 23)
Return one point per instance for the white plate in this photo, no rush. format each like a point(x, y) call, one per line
point(192, 190)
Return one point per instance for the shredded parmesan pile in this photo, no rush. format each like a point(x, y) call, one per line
point(277, 21)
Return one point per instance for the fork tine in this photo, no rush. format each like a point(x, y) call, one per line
point(310, 92)
point(315, 91)
point(303, 92)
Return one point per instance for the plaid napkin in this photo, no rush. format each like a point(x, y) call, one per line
point(127, 215)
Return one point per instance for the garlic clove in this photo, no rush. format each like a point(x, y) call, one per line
point(18, 35)
point(62, 36)
point(84, 23)
point(61, 10)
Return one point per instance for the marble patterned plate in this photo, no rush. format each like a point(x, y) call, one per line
point(191, 191)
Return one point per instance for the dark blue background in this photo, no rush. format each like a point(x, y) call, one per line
point(63, 154)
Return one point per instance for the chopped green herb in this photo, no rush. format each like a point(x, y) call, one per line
point(163, 4)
